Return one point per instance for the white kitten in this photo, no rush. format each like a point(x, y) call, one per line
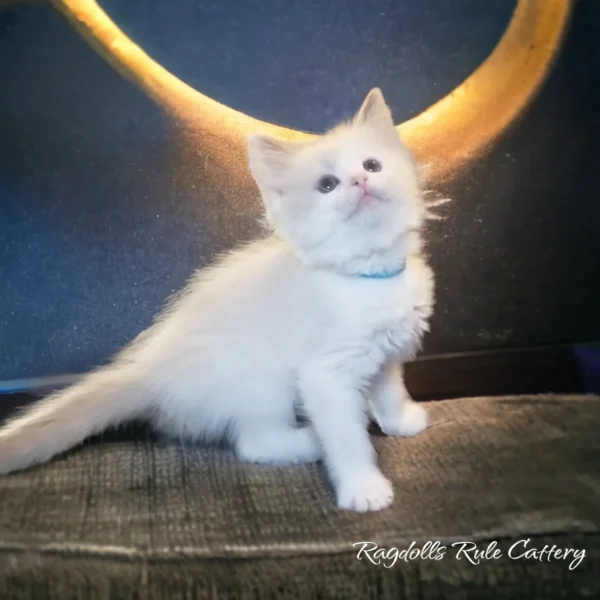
point(317, 318)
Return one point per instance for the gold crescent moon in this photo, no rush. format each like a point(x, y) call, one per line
point(445, 137)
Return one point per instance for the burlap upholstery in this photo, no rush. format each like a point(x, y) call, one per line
point(130, 516)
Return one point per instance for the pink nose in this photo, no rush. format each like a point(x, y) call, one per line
point(359, 180)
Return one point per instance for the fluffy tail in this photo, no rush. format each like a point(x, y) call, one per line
point(102, 399)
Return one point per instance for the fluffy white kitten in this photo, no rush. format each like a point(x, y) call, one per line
point(318, 319)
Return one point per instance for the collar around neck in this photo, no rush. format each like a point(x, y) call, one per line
point(385, 274)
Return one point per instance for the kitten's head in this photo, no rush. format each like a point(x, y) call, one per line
point(350, 196)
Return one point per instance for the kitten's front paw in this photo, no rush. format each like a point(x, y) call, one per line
point(365, 492)
point(413, 419)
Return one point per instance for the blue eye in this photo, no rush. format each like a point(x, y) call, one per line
point(327, 183)
point(372, 165)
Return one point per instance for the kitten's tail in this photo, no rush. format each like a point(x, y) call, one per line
point(102, 399)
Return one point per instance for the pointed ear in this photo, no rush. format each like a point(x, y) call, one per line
point(268, 157)
point(374, 111)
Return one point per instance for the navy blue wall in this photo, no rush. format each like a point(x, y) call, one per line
point(95, 234)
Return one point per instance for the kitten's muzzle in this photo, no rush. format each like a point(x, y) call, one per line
point(359, 180)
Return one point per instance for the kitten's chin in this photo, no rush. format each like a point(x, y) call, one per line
point(368, 204)
point(373, 214)
point(365, 204)
point(366, 201)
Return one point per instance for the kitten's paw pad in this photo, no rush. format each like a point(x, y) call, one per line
point(413, 420)
point(365, 493)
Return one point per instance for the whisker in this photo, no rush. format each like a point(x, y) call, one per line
point(439, 202)
point(433, 217)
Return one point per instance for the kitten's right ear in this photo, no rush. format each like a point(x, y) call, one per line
point(268, 157)
point(374, 112)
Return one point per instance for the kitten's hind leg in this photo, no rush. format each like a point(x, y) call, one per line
point(276, 443)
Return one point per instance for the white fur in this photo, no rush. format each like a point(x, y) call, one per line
point(282, 326)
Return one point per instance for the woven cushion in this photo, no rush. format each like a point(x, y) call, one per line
point(133, 517)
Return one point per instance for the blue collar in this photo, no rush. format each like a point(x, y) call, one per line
point(383, 274)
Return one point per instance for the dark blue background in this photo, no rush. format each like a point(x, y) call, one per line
point(95, 234)
point(307, 64)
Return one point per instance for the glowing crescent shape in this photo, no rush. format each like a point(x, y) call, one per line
point(446, 136)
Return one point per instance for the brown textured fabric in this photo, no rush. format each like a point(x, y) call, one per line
point(139, 518)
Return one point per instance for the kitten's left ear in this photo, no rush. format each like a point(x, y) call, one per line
point(268, 157)
point(374, 111)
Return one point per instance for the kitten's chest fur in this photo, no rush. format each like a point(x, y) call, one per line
point(389, 316)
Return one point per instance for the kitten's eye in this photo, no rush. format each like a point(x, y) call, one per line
point(327, 183)
point(372, 165)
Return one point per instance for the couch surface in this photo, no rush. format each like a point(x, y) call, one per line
point(130, 516)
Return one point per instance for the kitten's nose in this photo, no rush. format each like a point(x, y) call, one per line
point(359, 180)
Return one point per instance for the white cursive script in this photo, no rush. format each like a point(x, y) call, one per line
point(467, 550)
point(519, 550)
point(389, 556)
